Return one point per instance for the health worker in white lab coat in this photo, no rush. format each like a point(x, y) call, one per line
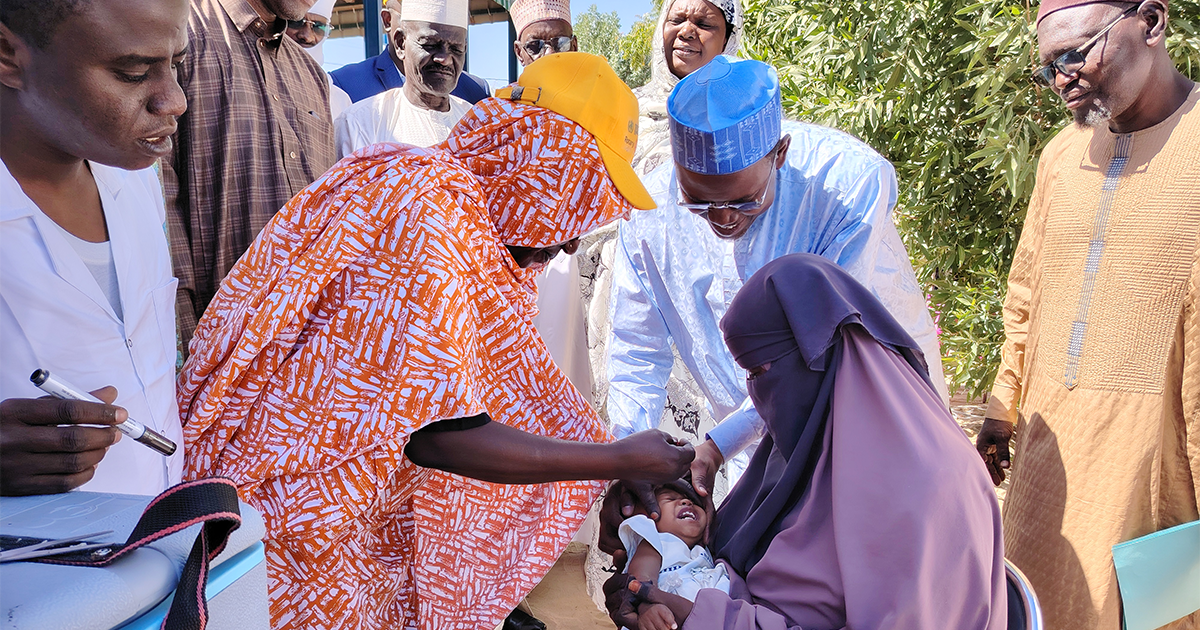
point(86, 289)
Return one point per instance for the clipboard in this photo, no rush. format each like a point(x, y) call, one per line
point(1159, 576)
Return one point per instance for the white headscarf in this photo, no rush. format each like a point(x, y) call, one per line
point(654, 136)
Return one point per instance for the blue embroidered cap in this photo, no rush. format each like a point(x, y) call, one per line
point(725, 116)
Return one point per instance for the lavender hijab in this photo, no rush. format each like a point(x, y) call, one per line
point(865, 506)
point(791, 314)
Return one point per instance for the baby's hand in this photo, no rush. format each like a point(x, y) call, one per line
point(655, 617)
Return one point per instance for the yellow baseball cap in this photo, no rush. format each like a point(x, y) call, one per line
point(583, 88)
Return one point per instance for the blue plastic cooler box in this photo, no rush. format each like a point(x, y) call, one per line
point(134, 592)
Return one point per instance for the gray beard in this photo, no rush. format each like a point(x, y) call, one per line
point(1095, 117)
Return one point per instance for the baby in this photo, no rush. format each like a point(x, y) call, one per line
point(670, 554)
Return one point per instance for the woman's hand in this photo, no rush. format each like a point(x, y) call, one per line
point(620, 601)
point(501, 454)
point(656, 609)
point(620, 503)
point(704, 468)
point(655, 457)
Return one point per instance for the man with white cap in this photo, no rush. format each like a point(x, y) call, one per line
point(543, 27)
point(310, 33)
point(745, 188)
point(311, 30)
point(385, 71)
point(432, 45)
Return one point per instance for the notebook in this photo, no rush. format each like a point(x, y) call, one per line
point(1159, 576)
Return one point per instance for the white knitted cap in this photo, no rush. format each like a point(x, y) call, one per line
point(323, 8)
point(448, 12)
point(526, 12)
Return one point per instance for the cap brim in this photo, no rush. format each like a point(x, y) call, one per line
point(628, 183)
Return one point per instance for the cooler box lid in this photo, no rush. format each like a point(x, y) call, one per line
point(35, 596)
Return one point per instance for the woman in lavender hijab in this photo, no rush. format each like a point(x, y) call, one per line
point(865, 506)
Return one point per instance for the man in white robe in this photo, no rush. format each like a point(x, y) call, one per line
point(432, 47)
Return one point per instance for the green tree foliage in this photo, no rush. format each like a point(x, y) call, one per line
point(629, 55)
point(635, 50)
point(942, 89)
point(599, 33)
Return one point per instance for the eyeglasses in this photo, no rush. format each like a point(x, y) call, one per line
point(740, 206)
point(538, 47)
point(320, 28)
point(1073, 61)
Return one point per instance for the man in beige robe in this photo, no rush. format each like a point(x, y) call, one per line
point(1100, 372)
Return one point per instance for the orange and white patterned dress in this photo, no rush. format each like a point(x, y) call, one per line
point(379, 300)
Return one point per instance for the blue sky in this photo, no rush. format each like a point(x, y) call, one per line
point(488, 43)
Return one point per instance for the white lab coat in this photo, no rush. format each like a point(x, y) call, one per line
point(53, 315)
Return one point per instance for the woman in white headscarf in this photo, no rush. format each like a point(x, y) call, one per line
point(689, 34)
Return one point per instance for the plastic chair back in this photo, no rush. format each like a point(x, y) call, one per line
point(1024, 611)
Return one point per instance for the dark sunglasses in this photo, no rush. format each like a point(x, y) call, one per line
point(537, 46)
point(1072, 61)
point(321, 28)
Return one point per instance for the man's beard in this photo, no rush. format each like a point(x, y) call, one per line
point(1095, 116)
point(1100, 112)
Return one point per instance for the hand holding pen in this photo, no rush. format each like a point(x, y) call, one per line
point(47, 446)
point(59, 388)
